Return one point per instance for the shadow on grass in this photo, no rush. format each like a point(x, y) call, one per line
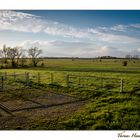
point(46, 106)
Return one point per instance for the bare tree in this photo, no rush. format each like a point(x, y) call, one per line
point(128, 56)
point(4, 52)
point(23, 60)
point(34, 52)
point(19, 53)
point(136, 56)
point(14, 54)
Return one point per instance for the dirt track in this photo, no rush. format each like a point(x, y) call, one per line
point(48, 106)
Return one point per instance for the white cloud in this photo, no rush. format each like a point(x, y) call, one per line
point(138, 50)
point(23, 22)
point(120, 28)
point(111, 38)
point(125, 28)
point(134, 52)
point(135, 25)
point(100, 40)
point(58, 48)
point(18, 21)
point(73, 49)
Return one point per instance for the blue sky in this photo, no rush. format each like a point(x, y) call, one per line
point(81, 33)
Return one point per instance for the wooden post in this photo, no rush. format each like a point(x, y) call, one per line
point(25, 76)
point(38, 78)
point(14, 76)
point(67, 78)
point(2, 83)
point(79, 81)
point(121, 86)
point(67, 82)
point(5, 75)
point(51, 78)
point(102, 83)
point(27, 79)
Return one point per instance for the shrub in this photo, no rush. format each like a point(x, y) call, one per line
point(42, 64)
point(124, 63)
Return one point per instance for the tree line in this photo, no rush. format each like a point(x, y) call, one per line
point(11, 56)
point(132, 56)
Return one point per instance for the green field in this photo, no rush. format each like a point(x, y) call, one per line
point(97, 83)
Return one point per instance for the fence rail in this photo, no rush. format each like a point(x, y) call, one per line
point(75, 82)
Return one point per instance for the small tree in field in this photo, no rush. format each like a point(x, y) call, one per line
point(14, 55)
point(124, 63)
point(4, 52)
point(19, 52)
point(23, 60)
point(34, 52)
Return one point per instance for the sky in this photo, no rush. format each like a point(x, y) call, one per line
point(73, 33)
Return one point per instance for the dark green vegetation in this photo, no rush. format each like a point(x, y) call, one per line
point(98, 107)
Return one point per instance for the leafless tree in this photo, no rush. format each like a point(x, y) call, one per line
point(3, 53)
point(14, 54)
point(34, 53)
point(19, 53)
point(23, 60)
point(128, 56)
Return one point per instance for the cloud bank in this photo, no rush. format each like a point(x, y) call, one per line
point(79, 49)
point(90, 41)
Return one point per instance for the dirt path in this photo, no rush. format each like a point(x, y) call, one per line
point(27, 109)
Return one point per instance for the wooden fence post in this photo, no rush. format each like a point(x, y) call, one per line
point(27, 79)
point(38, 78)
point(67, 82)
point(51, 77)
point(79, 81)
point(101, 77)
point(102, 83)
point(2, 83)
point(25, 76)
point(121, 86)
point(14, 76)
point(5, 75)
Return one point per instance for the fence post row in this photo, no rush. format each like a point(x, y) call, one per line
point(27, 80)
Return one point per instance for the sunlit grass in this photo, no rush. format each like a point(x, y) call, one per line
point(105, 108)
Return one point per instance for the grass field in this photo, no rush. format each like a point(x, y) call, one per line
point(102, 108)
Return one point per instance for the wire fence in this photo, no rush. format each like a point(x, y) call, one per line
point(70, 82)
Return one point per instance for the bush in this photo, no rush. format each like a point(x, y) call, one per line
point(42, 64)
point(124, 63)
